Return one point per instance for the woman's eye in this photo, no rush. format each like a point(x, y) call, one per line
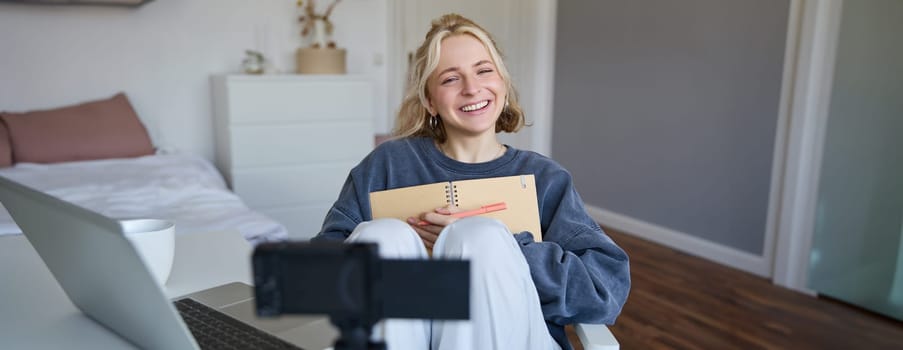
point(485, 70)
point(449, 80)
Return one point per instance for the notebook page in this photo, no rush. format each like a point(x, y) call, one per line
point(518, 192)
point(402, 203)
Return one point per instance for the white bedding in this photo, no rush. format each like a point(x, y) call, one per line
point(185, 189)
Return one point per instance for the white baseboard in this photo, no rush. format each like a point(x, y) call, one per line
point(683, 242)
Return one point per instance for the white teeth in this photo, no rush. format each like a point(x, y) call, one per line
point(474, 106)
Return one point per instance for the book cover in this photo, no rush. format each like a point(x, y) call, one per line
point(517, 192)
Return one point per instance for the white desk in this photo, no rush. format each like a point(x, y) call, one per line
point(35, 313)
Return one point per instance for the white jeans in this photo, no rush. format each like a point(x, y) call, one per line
point(504, 307)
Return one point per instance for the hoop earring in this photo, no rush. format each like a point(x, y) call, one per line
point(434, 122)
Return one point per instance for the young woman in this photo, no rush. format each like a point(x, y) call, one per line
point(523, 292)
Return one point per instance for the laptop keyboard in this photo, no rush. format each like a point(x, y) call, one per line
point(213, 329)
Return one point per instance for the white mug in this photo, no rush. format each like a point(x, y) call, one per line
point(154, 240)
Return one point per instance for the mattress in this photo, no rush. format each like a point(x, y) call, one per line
point(185, 189)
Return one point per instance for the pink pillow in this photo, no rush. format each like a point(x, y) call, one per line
point(93, 130)
point(6, 152)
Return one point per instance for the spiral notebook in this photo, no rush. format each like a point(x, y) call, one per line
point(518, 192)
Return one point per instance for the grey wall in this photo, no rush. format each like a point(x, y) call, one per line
point(666, 111)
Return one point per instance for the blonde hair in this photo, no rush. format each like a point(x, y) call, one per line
point(413, 115)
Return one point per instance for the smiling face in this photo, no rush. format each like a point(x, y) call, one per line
point(466, 89)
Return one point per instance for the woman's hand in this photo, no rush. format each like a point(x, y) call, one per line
point(429, 224)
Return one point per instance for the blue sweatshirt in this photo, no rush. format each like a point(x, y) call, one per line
point(581, 275)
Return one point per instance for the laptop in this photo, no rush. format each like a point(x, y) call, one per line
point(102, 274)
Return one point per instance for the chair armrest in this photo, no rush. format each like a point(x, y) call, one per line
point(596, 337)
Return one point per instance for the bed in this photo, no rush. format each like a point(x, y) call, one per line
point(98, 155)
point(184, 189)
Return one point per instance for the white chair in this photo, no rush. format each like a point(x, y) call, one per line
point(596, 337)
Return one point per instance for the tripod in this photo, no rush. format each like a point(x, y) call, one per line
point(354, 335)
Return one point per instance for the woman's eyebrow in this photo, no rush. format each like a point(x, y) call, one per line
point(446, 70)
point(455, 69)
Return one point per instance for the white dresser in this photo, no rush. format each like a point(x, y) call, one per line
point(285, 143)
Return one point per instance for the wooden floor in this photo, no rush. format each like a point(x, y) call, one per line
point(678, 301)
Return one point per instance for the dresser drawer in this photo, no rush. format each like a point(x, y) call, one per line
point(287, 142)
point(295, 185)
point(258, 145)
point(302, 222)
point(282, 100)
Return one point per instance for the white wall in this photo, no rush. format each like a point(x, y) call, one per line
point(163, 54)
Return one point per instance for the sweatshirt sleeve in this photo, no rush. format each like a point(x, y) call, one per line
point(344, 215)
point(581, 275)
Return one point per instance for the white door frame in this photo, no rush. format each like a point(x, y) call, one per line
point(536, 20)
point(540, 17)
point(804, 116)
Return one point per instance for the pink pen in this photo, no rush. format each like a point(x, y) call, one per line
point(482, 210)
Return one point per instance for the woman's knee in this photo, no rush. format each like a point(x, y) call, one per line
point(396, 239)
point(378, 230)
point(494, 254)
point(475, 235)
